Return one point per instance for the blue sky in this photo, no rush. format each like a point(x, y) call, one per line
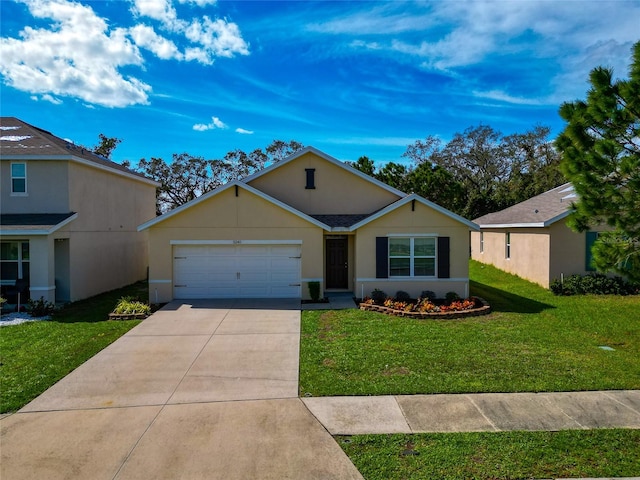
point(349, 78)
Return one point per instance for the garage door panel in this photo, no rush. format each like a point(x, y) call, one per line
point(232, 271)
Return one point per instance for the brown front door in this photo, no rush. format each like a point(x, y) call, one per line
point(337, 264)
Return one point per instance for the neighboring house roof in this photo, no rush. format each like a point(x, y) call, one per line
point(34, 223)
point(218, 191)
point(539, 211)
point(22, 141)
point(328, 158)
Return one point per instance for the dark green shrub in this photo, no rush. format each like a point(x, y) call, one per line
point(595, 284)
point(378, 296)
point(451, 297)
point(402, 296)
point(314, 291)
point(428, 295)
point(40, 308)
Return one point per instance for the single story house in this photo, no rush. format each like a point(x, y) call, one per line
point(307, 218)
point(531, 239)
point(68, 217)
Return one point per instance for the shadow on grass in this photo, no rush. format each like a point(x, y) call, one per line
point(503, 301)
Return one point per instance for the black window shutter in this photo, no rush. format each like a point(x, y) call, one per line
point(444, 270)
point(382, 257)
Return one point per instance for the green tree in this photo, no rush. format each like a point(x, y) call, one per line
point(187, 177)
point(601, 157)
point(106, 146)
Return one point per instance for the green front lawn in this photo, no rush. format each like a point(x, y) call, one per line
point(533, 341)
point(35, 355)
point(503, 455)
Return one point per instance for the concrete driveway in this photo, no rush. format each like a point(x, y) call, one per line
point(205, 389)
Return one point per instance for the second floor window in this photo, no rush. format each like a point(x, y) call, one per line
point(18, 178)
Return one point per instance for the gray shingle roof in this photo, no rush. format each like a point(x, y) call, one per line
point(32, 221)
point(539, 211)
point(341, 220)
point(18, 138)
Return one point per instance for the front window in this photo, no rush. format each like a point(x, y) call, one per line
point(481, 242)
point(507, 247)
point(18, 178)
point(412, 257)
point(14, 261)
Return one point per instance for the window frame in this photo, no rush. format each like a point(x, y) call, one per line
point(507, 245)
point(412, 257)
point(21, 261)
point(15, 177)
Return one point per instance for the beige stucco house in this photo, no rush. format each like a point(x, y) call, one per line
point(531, 239)
point(307, 218)
point(68, 217)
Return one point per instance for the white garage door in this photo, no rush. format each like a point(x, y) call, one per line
point(236, 271)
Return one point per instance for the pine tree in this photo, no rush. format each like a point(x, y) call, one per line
point(601, 157)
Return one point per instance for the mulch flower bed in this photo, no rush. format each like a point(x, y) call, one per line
point(470, 307)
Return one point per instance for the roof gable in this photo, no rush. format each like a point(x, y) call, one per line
point(539, 211)
point(218, 191)
point(317, 184)
point(22, 141)
point(416, 198)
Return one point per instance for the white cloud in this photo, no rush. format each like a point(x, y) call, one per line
point(47, 98)
point(76, 56)
point(217, 38)
point(244, 132)
point(216, 123)
point(163, 48)
point(501, 96)
point(161, 10)
point(200, 3)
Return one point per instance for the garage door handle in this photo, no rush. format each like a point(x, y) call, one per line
point(295, 257)
point(179, 258)
point(295, 284)
point(177, 286)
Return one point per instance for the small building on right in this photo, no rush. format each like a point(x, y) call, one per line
point(531, 239)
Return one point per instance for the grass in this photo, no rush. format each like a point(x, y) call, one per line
point(35, 355)
point(503, 455)
point(533, 341)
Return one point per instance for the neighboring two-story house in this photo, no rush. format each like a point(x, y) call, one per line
point(68, 217)
point(308, 218)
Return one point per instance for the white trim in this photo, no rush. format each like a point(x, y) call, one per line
point(26, 233)
point(160, 281)
point(328, 158)
point(42, 289)
point(224, 188)
point(413, 235)
point(412, 279)
point(424, 201)
point(235, 242)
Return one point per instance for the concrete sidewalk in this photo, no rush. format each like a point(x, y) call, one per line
point(483, 412)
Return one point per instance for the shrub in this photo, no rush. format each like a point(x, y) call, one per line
point(428, 295)
point(402, 296)
point(378, 296)
point(593, 283)
point(129, 306)
point(40, 308)
point(314, 291)
point(451, 297)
